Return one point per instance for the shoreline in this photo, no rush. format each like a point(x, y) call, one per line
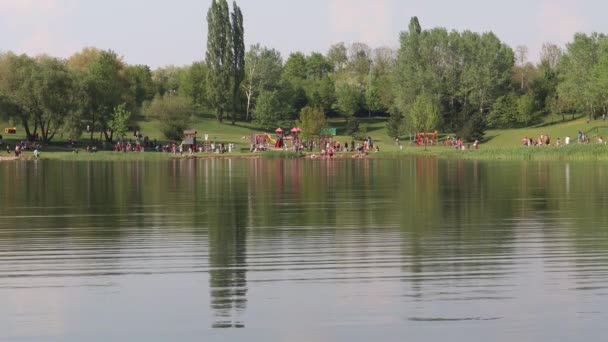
point(565, 153)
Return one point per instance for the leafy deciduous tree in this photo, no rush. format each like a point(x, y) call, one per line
point(312, 121)
point(120, 121)
point(174, 114)
point(238, 61)
point(220, 59)
point(263, 72)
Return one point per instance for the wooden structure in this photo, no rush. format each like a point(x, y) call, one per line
point(190, 139)
point(190, 134)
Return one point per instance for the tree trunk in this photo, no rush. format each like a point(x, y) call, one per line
point(31, 138)
point(26, 127)
point(45, 126)
point(92, 128)
point(249, 95)
point(110, 137)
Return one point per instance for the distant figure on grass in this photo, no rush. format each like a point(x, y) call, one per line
point(36, 153)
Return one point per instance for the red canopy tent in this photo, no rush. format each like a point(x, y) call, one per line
point(278, 130)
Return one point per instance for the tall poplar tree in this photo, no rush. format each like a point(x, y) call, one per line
point(220, 59)
point(238, 63)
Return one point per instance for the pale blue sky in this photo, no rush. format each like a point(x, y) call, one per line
point(157, 33)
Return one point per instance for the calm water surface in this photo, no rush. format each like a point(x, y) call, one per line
point(350, 250)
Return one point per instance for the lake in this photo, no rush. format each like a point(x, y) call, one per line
point(301, 250)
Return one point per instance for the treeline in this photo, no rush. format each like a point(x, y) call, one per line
point(96, 93)
point(461, 82)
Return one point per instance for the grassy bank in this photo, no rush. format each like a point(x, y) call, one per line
point(499, 144)
point(566, 153)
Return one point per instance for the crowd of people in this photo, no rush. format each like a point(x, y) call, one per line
point(360, 149)
point(545, 140)
point(458, 144)
point(21, 147)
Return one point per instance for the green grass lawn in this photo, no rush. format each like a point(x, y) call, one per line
point(554, 129)
point(499, 144)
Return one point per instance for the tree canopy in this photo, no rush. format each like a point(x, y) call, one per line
point(460, 82)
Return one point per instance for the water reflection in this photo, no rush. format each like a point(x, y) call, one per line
point(228, 216)
point(354, 245)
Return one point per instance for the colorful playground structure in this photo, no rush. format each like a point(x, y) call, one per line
point(423, 139)
point(279, 140)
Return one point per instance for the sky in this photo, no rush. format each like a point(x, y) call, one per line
point(173, 32)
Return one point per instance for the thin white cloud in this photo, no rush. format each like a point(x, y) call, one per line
point(361, 20)
point(28, 5)
point(36, 25)
point(558, 21)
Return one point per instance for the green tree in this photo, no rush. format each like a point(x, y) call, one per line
point(323, 93)
point(296, 69)
point(312, 121)
point(317, 66)
point(120, 121)
point(102, 86)
point(360, 62)
point(467, 72)
point(424, 114)
point(545, 86)
point(349, 98)
point(174, 114)
point(263, 72)
point(16, 87)
point(525, 108)
point(599, 79)
point(192, 83)
point(337, 56)
point(294, 82)
point(168, 80)
point(372, 98)
point(576, 70)
point(395, 124)
point(268, 109)
point(238, 61)
point(53, 94)
point(220, 59)
point(504, 112)
point(141, 85)
point(379, 93)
